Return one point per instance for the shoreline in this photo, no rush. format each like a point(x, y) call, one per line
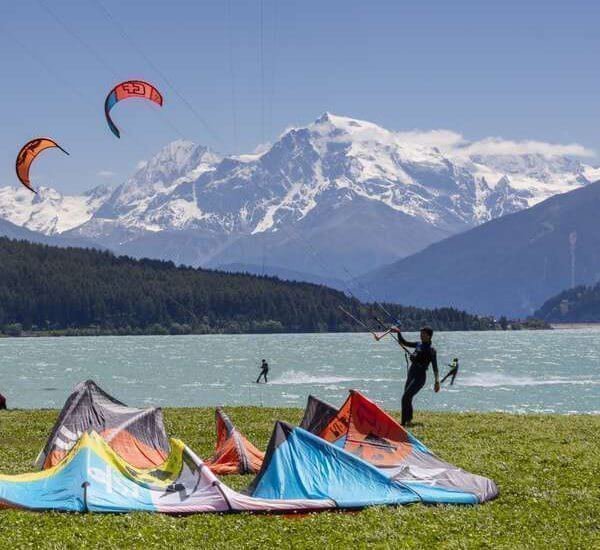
point(84, 333)
point(574, 326)
point(248, 408)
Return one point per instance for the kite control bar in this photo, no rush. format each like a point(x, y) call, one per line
point(375, 335)
point(364, 325)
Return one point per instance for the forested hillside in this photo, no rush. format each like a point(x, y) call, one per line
point(83, 291)
point(576, 305)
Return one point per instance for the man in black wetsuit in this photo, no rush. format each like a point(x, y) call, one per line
point(264, 370)
point(420, 359)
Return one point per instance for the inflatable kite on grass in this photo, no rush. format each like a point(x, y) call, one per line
point(234, 454)
point(138, 436)
point(126, 90)
point(365, 430)
point(105, 457)
point(92, 477)
point(28, 154)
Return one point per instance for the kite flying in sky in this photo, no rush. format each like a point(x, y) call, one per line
point(27, 155)
point(126, 90)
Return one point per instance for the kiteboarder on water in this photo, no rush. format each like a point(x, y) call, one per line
point(452, 372)
point(420, 359)
point(264, 370)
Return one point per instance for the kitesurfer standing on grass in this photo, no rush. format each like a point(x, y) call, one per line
point(264, 370)
point(420, 359)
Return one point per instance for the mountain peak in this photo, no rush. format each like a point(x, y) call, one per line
point(175, 159)
point(176, 150)
point(102, 190)
point(325, 117)
point(343, 122)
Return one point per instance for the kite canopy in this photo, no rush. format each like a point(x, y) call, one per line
point(362, 457)
point(301, 465)
point(92, 477)
point(125, 90)
point(136, 435)
point(234, 454)
point(27, 155)
point(317, 415)
point(362, 428)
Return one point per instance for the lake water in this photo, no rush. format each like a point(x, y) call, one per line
point(548, 371)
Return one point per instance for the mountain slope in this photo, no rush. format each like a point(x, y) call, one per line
point(576, 305)
point(507, 266)
point(12, 231)
point(281, 273)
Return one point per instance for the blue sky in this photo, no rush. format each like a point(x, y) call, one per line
point(519, 70)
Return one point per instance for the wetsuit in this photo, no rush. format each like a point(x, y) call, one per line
point(264, 370)
point(452, 372)
point(420, 359)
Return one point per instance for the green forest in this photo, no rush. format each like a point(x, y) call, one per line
point(576, 305)
point(76, 291)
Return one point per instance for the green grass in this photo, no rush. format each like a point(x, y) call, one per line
point(547, 468)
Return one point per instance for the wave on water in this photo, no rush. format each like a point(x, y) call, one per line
point(203, 385)
point(293, 377)
point(492, 380)
point(290, 396)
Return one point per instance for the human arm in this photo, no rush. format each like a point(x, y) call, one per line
point(436, 372)
point(401, 340)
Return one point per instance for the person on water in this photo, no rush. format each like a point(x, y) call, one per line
point(264, 370)
point(420, 359)
point(452, 372)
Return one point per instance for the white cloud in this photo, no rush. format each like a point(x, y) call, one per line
point(262, 148)
point(451, 142)
point(442, 139)
point(141, 164)
point(499, 146)
point(106, 174)
point(258, 152)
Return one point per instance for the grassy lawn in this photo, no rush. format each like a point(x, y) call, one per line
point(547, 468)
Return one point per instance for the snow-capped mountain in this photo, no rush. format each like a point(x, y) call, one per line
point(146, 202)
point(135, 203)
point(50, 212)
point(338, 192)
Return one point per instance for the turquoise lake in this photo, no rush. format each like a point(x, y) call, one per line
point(527, 371)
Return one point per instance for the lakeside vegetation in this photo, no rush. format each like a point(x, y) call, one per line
point(54, 291)
point(545, 465)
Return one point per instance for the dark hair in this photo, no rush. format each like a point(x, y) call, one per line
point(427, 330)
